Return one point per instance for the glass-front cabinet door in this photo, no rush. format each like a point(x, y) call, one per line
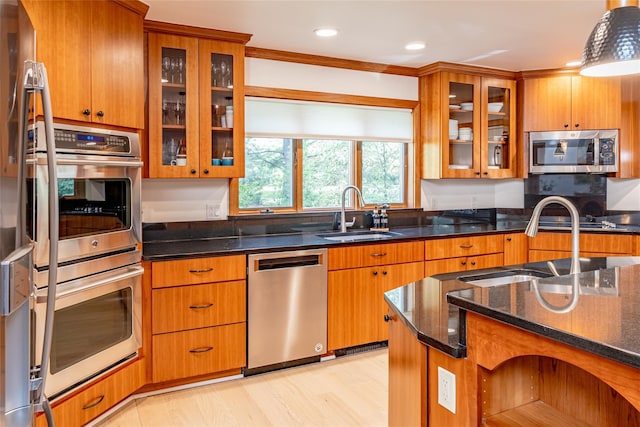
point(173, 106)
point(461, 144)
point(221, 109)
point(498, 156)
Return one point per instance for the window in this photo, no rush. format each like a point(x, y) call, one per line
point(299, 156)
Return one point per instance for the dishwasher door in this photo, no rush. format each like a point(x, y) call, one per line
point(287, 307)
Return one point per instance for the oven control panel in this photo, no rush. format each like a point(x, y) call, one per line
point(85, 140)
point(91, 141)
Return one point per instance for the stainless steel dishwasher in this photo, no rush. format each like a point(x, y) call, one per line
point(287, 308)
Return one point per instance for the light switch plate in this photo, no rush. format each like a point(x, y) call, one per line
point(447, 389)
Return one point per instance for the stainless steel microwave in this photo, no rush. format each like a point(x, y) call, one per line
point(585, 151)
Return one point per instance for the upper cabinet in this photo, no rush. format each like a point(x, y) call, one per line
point(468, 126)
point(94, 54)
point(196, 103)
point(572, 103)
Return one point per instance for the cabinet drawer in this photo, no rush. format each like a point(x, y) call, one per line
point(452, 265)
point(370, 255)
point(198, 306)
point(600, 242)
point(463, 246)
point(99, 397)
point(198, 352)
point(198, 270)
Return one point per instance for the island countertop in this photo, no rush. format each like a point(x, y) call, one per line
point(604, 320)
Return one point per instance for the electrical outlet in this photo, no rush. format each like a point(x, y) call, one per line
point(212, 212)
point(447, 389)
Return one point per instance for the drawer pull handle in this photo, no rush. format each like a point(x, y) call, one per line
point(464, 263)
point(508, 239)
point(94, 404)
point(201, 306)
point(201, 350)
point(466, 246)
point(375, 273)
point(202, 270)
point(382, 254)
point(473, 263)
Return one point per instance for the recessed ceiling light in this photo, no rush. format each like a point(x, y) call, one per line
point(573, 64)
point(325, 32)
point(415, 46)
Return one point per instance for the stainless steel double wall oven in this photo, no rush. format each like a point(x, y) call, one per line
point(97, 321)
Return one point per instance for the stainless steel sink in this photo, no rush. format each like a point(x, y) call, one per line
point(355, 236)
point(504, 277)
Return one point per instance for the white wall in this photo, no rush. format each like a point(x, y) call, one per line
point(445, 194)
point(169, 200)
point(165, 200)
point(279, 74)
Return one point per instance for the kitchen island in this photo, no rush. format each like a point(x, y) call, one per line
point(516, 359)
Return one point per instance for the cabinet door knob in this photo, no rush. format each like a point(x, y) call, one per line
point(508, 239)
point(100, 113)
point(384, 273)
point(486, 173)
point(464, 263)
point(577, 125)
point(473, 263)
point(86, 112)
point(375, 273)
point(206, 171)
point(193, 171)
point(478, 173)
point(388, 318)
point(566, 125)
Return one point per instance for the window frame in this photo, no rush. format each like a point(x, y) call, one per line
point(412, 152)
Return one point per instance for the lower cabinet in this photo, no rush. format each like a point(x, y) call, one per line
point(463, 253)
point(554, 245)
point(198, 317)
point(356, 306)
point(97, 398)
point(198, 352)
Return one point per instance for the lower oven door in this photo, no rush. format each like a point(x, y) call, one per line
point(97, 325)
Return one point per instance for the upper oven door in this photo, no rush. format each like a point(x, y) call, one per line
point(99, 203)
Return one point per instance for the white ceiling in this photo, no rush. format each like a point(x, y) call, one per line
point(507, 34)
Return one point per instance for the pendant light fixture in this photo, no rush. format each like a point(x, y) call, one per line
point(613, 48)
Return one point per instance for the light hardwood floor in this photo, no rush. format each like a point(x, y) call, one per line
point(347, 391)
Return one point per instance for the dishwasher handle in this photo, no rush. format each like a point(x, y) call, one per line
point(288, 262)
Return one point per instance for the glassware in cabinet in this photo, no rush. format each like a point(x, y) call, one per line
point(221, 126)
point(173, 112)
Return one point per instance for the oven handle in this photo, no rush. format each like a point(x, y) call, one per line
point(87, 283)
point(89, 162)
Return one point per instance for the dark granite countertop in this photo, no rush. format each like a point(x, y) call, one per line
point(596, 311)
point(423, 306)
point(159, 250)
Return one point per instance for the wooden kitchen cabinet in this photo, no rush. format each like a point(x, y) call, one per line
point(515, 248)
point(94, 54)
point(468, 125)
point(91, 401)
point(198, 317)
point(356, 306)
point(555, 245)
point(463, 253)
point(196, 102)
point(358, 277)
point(572, 103)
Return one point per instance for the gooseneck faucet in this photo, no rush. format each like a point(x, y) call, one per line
point(343, 221)
point(532, 227)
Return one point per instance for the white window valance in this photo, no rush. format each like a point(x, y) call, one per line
point(321, 120)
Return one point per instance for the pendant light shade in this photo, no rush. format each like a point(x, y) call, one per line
point(613, 48)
